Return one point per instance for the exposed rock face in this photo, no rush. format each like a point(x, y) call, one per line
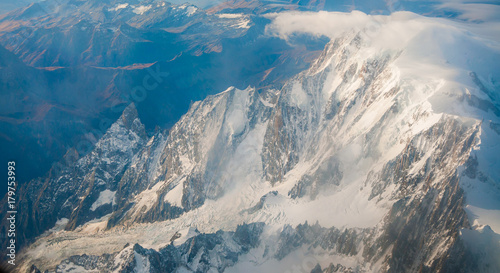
point(358, 146)
point(76, 193)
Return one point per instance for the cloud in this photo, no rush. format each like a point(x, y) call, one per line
point(316, 23)
point(473, 11)
point(397, 31)
point(387, 31)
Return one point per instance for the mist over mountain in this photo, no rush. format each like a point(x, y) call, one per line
point(253, 136)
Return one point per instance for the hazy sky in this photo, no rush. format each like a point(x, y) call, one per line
point(473, 10)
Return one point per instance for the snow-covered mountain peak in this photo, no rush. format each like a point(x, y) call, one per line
point(448, 56)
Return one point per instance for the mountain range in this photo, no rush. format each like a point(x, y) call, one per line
point(77, 64)
point(348, 143)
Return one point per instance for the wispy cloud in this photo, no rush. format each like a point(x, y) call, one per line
point(473, 11)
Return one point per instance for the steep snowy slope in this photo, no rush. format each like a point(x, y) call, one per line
point(382, 157)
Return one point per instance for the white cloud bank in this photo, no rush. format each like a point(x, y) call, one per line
point(389, 31)
point(317, 23)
